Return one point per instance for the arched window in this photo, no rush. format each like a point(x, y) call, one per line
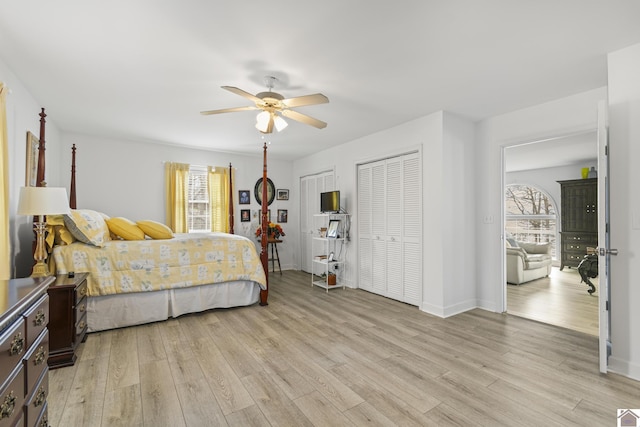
point(530, 215)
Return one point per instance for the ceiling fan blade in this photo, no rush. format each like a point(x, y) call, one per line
point(303, 118)
point(242, 93)
point(300, 101)
point(228, 110)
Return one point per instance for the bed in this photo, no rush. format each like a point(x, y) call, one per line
point(133, 282)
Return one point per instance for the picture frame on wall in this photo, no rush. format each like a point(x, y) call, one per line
point(282, 215)
point(245, 215)
point(31, 166)
point(244, 197)
point(282, 194)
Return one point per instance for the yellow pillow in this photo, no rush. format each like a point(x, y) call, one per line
point(87, 226)
point(155, 230)
point(125, 228)
point(57, 233)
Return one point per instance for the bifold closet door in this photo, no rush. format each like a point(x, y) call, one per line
point(389, 228)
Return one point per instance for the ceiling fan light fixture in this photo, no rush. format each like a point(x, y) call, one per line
point(262, 121)
point(280, 123)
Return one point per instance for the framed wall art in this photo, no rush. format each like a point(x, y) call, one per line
point(245, 215)
point(271, 191)
point(282, 194)
point(244, 197)
point(31, 167)
point(282, 215)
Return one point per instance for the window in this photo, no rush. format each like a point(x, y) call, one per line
point(530, 215)
point(198, 209)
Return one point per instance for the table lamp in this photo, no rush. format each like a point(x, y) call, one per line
point(41, 201)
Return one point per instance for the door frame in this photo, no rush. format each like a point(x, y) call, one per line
point(502, 293)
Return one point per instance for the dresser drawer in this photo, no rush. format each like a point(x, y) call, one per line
point(38, 398)
point(12, 348)
point(81, 308)
point(43, 419)
point(81, 328)
point(81, 291)
point(12, 399)
point(36, 360)
point(37, 319)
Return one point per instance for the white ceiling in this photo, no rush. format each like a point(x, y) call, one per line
point(144, 69)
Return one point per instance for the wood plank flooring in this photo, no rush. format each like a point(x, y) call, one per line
point(559, 299)
point(346, 358)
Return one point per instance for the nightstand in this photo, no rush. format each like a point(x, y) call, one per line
point(67, 318)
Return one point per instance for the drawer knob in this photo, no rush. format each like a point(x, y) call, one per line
point(40, 397)
point(9, 404)
point(44, 422)
point(83, 291)
point(82, 325)
point(40, 318)
point(40, 356)
point(82, 308)
point(17, 345)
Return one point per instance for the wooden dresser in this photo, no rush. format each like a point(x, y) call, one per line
point(579, 219)
point(24, 346)
point(68, 323)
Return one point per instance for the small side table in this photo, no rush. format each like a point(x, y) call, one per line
point(67, 319)
point(273, 244)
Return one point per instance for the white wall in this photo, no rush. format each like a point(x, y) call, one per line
point(445, 143)
point(624, 135)
point(22, 116)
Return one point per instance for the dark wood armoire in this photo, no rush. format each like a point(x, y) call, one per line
point(579, 219)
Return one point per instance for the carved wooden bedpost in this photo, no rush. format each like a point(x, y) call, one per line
point(72, 190)
point(264, 257)
point(230, 199)
point(41, 149)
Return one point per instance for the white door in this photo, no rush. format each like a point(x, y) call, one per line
point(605, 250)
point(389, 228)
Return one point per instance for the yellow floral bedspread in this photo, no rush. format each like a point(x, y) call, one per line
point(148, 265)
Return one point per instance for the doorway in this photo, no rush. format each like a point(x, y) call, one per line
point(559, 298)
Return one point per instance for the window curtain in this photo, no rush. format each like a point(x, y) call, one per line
point(218, 185)
point(5, 244)
point(176, 184)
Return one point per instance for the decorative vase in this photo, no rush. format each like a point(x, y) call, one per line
point(593, 173)
point(585, 173)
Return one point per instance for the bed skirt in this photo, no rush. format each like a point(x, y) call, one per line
point(117, 311)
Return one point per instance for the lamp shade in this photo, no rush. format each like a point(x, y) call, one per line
point(43, 201)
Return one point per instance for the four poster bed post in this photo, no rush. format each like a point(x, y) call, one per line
point(264, 257)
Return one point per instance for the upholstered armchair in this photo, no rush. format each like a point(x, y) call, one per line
point(527, 261)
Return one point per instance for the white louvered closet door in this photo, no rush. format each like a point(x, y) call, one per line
point(390, 228)
point(378, 224)
point(412, 229)
point(365, 263)
point(393, 213)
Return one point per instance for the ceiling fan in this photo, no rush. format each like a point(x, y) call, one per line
point(273, 106)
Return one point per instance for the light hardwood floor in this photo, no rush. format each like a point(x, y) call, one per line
point(343, 358)
point(559, 299)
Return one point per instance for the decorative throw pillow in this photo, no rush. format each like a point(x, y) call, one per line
point(512, 242)
point(155, 230)
point(125, 228)
point(87, 226)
